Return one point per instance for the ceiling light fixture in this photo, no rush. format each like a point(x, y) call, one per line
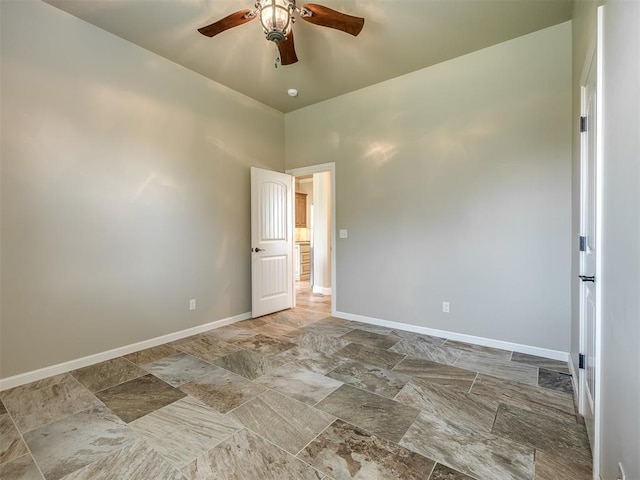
point(292, 92)
point(278, 16)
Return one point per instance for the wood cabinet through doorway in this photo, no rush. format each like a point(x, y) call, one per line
point(301, 210)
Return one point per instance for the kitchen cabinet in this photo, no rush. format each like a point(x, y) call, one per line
point(301, 210)
point(304, 260)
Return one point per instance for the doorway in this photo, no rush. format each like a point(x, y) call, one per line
point(314, 255)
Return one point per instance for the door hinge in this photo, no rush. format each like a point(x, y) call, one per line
point(583, 243)
point(583, 124)
point(581, 361)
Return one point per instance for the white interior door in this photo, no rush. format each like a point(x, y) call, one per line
point(271, 241)
point(589, 248)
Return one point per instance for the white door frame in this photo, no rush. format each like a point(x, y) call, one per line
point(320, 168)
point(593, 60)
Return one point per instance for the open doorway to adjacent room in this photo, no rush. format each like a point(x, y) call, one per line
point(314, 257)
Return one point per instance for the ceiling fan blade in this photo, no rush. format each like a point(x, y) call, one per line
point(287, 50)
point(230, 21)
point(327, 17)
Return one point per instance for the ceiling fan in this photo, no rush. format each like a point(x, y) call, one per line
point(277, 18)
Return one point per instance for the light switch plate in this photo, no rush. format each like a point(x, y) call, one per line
point(344, 234)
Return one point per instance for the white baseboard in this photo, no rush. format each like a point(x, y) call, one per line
point(321, 290)
point(28, 377)
point(485, 342)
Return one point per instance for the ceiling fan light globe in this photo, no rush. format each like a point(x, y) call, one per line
point(276, 18)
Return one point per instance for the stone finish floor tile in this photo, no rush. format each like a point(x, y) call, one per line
point(265, 344)
point(107, 374)
point(69, 444)
point(277, 330)
point(329, 320)
point(369, 327)
point(567, 439)
point(250, 324)
point(451, 430)
point(480, 455)
point(506, 369)
point(541, 362)
point(179, 369)
point(320, 342)
point(371, 355)
point(298, 317)
point(138, 397)
point(426, 351)
point(553, 467)
point(11, 444)
point(343, 451)
point(21, 468)
point(479, 349)
point(249, 364)
point(44, 401)
point(372, 339)
point(184, 429)
point(222, 389)
point(420, 338)
point(299, 383)
point(282, 420)
point(247, 456)
point(473, 411)
point(327, 329)
point(312, 360)
point(454, 378)
point(442, 472)
point(134, 462)
point(378, 380)
point(538, 399)
point(381, 416)
point(555, 380)
point(206, 348)
point(231, 334)
point(152, 354)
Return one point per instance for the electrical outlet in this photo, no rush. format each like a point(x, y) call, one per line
point(344, 233)
point(445, 307)
point(621, 475)
point(192, 304)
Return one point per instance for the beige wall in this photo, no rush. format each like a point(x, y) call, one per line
point(454, 183)
point(125, 191)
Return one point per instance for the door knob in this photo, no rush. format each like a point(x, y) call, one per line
point(587, 278)
point(258, 249)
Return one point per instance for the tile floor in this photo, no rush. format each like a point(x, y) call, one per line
point(299, 395)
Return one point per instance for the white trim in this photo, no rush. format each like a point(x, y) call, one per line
point(325, 167)
point(600, 238)
point(321, 290)
point(574, 379)
point(485, 342)
point(32, 376)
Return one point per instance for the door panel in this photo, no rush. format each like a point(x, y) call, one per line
point(588, 257)
point(271, 241)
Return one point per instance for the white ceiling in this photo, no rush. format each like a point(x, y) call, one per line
point(399, 36)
